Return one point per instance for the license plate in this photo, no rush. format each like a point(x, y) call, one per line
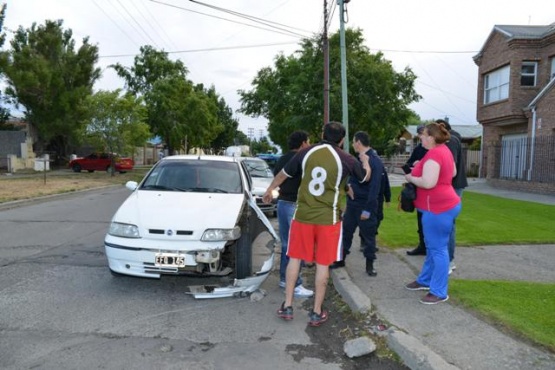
point(169, 260)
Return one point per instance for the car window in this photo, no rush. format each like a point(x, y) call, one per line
point(258, 168)
point(195, 176)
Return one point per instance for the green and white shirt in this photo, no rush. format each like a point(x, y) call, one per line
point(324, 168)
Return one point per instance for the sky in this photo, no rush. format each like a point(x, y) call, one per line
point(436, 39)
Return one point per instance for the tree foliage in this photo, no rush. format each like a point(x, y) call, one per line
point(290, 94)
point(51, 79)
point(177, 112)
point(117, 122)
point(4, 112)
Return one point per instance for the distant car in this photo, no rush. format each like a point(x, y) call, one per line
point(193, 215)
point(262, 177)
point(101, 162)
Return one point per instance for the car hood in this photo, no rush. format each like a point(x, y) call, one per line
point(174, 210)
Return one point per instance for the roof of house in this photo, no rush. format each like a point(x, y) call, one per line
point(525, 32)
point(466, 131)
point(519, 32)
point(542, 93)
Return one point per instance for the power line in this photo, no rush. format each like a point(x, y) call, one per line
point(250, 17)
point(287, 33)
point(205, 50)
point(116, 23)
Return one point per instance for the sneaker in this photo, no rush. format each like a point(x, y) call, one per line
point(302, 292)
point(452, 267)
point(286, 313)
point(432, 299)
point(317, 320)
point(282, 284)
point(416, 286)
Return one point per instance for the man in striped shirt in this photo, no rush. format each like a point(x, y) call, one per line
point(315, 233)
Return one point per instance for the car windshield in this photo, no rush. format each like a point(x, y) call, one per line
point(258, 168)
point(195, 176)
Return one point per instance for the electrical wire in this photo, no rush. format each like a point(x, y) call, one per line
point(288, 33)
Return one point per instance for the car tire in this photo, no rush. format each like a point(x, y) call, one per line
point(76, 168)
point(90, 171)
point(243, 257)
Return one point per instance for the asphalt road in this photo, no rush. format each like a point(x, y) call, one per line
point(62, 309)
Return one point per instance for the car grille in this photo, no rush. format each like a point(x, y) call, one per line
point(177, 232)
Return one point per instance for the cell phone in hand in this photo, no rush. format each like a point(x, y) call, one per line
point(406, 169)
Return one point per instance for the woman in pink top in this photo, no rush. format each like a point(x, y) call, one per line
point(440, 205)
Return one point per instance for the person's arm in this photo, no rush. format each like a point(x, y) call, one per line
point(277, 181)
point(430, 175)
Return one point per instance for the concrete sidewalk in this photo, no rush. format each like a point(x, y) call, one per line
point(445, 336)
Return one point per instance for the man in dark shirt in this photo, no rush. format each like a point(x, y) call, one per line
point(363, 206)
point(286, 205)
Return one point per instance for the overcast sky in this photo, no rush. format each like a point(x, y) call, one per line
point(436, 39)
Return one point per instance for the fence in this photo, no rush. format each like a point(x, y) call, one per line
point(523, 159)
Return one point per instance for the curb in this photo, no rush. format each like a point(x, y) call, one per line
point(412, 351)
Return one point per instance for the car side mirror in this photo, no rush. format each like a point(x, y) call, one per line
point(131, 185)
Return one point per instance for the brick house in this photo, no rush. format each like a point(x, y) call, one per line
point(516, 107)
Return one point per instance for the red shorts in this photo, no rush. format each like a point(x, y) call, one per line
point(315, 243)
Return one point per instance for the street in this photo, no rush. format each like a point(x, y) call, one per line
point(62, 309)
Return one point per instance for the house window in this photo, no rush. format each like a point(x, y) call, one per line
point(496, 85)
point(528, 73)
point(552, 73)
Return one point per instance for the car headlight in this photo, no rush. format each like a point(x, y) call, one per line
point(212, 235)
point(124, 230)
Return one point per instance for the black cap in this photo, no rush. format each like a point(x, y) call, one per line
point(420, 129)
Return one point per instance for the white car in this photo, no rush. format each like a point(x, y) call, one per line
point(262, 176)
point(193, 215)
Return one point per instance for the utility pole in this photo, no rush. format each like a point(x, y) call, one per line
point(326, 51)
point(344, 72)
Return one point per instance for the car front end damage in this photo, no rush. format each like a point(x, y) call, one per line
point(226, 239)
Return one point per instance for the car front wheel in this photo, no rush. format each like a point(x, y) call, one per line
point(76, 168)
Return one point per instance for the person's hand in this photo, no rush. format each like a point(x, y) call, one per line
point(267, 197)
point(363, 157)
point(365, 215)
point(408, 177)
point(350, 192)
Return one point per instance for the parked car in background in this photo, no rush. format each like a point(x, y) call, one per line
point(262, 177)
point(102, 162)
point(193, 215)
point(270, 158)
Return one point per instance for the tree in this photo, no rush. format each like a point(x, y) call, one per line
point(225, 117)
point(290, 95)
point(117, 122)
point(4, 112)
point(47, 75)
point(261, 146)
point(181, 115)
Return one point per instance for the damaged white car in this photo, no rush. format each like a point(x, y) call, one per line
point(194, 216)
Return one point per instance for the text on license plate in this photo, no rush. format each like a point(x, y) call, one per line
point(169, 260)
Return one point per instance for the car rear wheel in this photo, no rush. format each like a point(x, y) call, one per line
point(76, 168)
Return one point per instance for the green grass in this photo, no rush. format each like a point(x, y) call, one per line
point(484, 220)
point(525, 308)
